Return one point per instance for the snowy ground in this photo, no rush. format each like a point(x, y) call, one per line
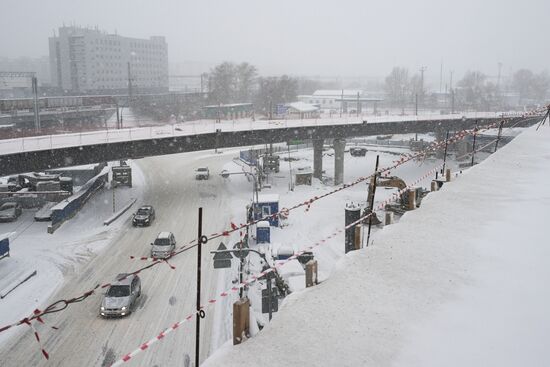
point(171, 187)
point(306, 227)
point(461, 281)
point(55, 255)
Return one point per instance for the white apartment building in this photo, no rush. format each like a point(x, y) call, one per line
point(86, 60)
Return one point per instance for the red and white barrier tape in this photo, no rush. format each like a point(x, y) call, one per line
point(307, 203)
point(144, 346)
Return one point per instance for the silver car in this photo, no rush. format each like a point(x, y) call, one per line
point(202, 173)
point(121, 297)
point(164, 245)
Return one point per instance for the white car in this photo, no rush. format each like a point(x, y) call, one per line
point(164, 245)
point(202, 173)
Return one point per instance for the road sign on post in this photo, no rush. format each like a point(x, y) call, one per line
point(222, 260)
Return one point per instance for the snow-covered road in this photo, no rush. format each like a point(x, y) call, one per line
point(84, 339)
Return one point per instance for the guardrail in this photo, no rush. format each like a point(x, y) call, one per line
point(117, 215)
point(48, 142)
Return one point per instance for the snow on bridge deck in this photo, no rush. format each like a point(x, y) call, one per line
point(47, 142)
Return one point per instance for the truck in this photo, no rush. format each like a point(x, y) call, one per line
point(271, 163)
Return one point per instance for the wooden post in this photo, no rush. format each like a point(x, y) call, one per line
point(448, 175)
point(241, 320)
point(389, 218)
point(311, 273)
point(358, 236)
point(434, 186)
point(412, 199)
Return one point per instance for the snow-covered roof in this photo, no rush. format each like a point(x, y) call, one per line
point(263, 224)
point(303, 107)
point(336, 92)
point(229, 105)
point(303, 170)
point(268, 198)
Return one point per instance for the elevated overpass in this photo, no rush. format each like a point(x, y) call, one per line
point(55, 151)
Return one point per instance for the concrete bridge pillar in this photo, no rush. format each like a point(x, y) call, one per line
point(339, 147)
point(318, 158)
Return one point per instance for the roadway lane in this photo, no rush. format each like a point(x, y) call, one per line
point(85, 339)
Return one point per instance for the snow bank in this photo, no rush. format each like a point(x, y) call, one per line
point(460, 281)
point(117, 215)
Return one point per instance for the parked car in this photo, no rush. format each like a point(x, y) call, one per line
point(10, 211)
point(164, 245)
point(122, 296)
point(358, 151)
point(144, 216)
point(202, 173)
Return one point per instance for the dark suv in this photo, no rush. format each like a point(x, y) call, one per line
point(144, 216)
point(358, 151)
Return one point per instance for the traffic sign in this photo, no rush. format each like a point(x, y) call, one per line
point(222, 264)
point(222, 260)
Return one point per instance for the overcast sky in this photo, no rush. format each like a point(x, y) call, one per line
point(305, 37)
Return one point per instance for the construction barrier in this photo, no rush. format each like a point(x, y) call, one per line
point(68, 208)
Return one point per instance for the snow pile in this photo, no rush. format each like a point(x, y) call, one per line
point(461, 281)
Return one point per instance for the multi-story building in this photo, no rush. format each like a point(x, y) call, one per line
point(88, 60)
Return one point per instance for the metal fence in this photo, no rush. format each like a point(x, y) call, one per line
point(66, 209)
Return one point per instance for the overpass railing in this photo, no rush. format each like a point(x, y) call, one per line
point(48, 142)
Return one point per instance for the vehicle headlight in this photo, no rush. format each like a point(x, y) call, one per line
point(147, 219)
point(123, 308)
point(102, 308)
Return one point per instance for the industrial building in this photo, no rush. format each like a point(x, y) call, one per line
point(340, 99)
point(89, 60)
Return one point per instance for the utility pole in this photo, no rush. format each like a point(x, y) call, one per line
point(445, 154)
point(342, 103)
point(422, 70)
point(357, 107)
point(474, 145)
point(34, 82)
point(452, 101)
point(498, 83)
point(498, 78)
point(113, 185)
point(441, 77)
point(371, 203)
point(499, 135)
point(416, 104)
point(289, 168)
point(117, 117)
point(129, 84)
point(200, 312)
